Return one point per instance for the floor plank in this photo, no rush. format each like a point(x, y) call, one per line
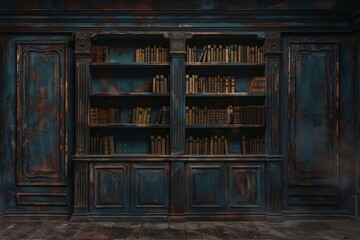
point(177, 231)
point(222, 231)
point(290, 230)
point(193, 231)
point(207, 231)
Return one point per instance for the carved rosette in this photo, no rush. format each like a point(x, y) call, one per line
point(178, 41)
point(82, 43)
point(272, 43)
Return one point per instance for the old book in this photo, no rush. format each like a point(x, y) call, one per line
point(158, 116)
point(158, 145)
point(93, 116)
point(111, 143)
point(105, 145)
point(243, 145)
point(167, 144)
point(163, 145)
point(152, 144)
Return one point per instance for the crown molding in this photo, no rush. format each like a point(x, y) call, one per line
point(172, 20)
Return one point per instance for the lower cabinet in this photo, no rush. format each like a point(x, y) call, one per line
point(225, 187)
point(162, 189)
point(129, 187)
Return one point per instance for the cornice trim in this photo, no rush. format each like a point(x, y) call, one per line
point(214, 20)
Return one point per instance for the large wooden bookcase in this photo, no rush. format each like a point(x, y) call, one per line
point(177, 125)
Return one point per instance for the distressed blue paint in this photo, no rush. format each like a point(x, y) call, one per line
point(110, 191)
point(246, 188)
point(206, 187)
point(41, 113)
point(150, 187)
point(201, 19)
point(8, 93)
point(314, 113)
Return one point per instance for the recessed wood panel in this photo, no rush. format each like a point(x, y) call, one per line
point(313, 118)
point(244, 186)
point(41, 199)
point(206, 186)
point(41, 111)
point(150, 187)
point(111, 186)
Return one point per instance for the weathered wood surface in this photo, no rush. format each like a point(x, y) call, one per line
point(291, 229)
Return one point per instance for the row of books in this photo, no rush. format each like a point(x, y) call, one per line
point(104, 115)
point(254, 115)
point(225, 54)
point(218, 84)
point(252, 145)
point(159, 144)
point(142, 115)
point(257, 85)
point(99, 54)
point(160, 84)
point(102, 145)
point(207, 145)
point(196, 115)
point(208, 53)
point(152, 54)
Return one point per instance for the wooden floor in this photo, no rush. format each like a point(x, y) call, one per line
point(290, 229)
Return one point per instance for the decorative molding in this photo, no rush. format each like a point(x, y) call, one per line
point(41, 113)
point(82, 43)
point(169, 20)
point(273, 179)
point(41, 199)
point(178, 188)
point(82, 58)
point(178, 41)
point(272, 42)
point(177, 107)
point(313, 161)
point(272, 135)
point(80, 186)
point(111, 186)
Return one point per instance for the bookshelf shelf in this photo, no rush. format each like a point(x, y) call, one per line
point(129, 125)
point(129, 65)
point(231, 126)
point(128, 94)
point(230, 95)
point(225, 65)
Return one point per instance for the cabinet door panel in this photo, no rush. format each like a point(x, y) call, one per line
point(206, 187)
point(150, 187)
point(111, 186)
point(245, 187)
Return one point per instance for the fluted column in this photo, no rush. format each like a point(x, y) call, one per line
point(272, 134)
point(177, 90)
point(272, 58)
point(82, 59)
